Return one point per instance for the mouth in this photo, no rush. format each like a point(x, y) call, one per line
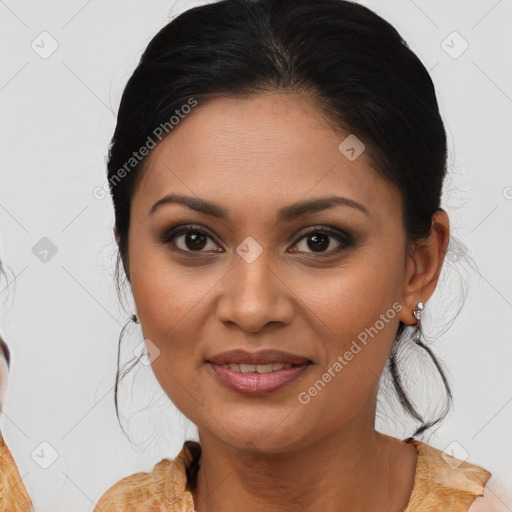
point(258, 368)
point(258, 373)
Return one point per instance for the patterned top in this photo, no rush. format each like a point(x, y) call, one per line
point(13, 495)
point(442, 483)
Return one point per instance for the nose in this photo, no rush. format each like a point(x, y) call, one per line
point(254, 296)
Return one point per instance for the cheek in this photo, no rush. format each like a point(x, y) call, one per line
point(169, 307)
point(352, 298)
point(357, 325)
point(171, 302)
point(160, 289)
point(356, 311)
point(166, 303)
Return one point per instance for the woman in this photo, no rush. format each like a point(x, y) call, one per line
point(13, 495)
point(276, 172)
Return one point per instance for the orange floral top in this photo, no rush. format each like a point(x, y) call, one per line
point(442, 484)
point(13, 495)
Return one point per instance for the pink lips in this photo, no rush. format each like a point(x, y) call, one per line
point(258, 383)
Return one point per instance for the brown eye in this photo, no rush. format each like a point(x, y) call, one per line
point(194, 240)
point(189, 239)
point(320, 241)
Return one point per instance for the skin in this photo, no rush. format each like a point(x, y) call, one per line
point(253, 156)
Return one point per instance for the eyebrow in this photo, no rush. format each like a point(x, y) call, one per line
point(286, 214)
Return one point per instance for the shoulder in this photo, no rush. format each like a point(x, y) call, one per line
point(163, 487)
point(138, 492)
point(443, 482)
point(496, 498)
point(13, 494)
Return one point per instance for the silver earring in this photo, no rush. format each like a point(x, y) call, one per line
point(417, 314)
point(135, 319)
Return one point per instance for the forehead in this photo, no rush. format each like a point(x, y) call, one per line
point(261, 151)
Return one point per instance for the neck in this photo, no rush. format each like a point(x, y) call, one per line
point(353, 469)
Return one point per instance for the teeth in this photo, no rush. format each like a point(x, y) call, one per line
point(247, 368)
point(264, 368)
point(256, 368)
point(233, 366)
point(280, 366)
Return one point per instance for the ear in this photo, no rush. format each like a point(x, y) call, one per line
point(424, 264)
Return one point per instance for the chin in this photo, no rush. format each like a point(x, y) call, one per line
point(255, 433)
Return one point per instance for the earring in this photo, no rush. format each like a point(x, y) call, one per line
point(135, 319)
point(417, 314)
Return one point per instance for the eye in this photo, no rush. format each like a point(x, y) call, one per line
point(189, 239)
point(319, 240)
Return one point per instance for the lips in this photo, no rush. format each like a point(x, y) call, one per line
point(262, 357)
point(257, 373)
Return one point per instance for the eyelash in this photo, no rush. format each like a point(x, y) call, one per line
point(344, 238)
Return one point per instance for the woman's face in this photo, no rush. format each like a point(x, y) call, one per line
point(269, 275)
